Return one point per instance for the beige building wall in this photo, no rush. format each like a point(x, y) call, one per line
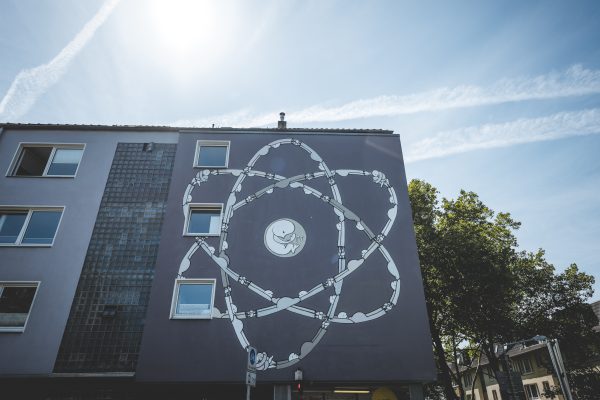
point(532, 373)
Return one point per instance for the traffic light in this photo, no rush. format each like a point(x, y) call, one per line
point(299, 387)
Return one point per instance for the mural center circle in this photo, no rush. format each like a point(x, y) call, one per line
point(285, 237)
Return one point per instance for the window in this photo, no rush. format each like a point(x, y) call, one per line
point(524, 366)
point(539, 359)
point(28, 227)
point(212, 154)
point(203, 219)
point(16, 299)
point(47, 160)
point(468, 380)
point(193, 299)
point(531, 391)
point(547, 390)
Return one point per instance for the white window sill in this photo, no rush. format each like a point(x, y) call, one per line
point(25, 245)
point(12, 330)
point(40, 176)
point(192, 316)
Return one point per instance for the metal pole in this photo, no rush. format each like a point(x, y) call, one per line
point(562, 365)
point(559, 368)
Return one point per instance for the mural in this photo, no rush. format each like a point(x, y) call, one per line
point(285, 238)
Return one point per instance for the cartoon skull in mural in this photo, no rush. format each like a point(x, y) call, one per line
point(285, 238)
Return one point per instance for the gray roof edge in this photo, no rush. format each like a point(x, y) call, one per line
point(92, 127)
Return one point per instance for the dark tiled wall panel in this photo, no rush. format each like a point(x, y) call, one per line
point(105, 325)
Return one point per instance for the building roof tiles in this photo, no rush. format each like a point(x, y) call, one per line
point(186, 129)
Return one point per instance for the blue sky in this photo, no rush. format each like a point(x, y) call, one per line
point(502, 98)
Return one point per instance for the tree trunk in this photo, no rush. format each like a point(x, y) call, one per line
point(492, 359)
point(479, 375)
point(458, 380)
point(442, 365)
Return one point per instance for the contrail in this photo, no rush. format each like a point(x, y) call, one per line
point(30, 84)
point(556, 126)
point(574, 81)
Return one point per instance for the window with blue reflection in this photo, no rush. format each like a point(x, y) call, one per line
point(194, 299)
point(11, 224)
point(41, 227)
point(212, 156)
point(204, 220)
point(65, 162)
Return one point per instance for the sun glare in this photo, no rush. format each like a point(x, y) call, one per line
point(190, 37)
point(186, 26)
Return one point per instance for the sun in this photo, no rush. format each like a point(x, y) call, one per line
point(185, 26)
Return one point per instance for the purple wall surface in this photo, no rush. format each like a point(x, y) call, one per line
point(57, 268)
point(340, 297)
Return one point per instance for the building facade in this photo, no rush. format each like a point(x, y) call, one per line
point(142, 261)
point(532, 363)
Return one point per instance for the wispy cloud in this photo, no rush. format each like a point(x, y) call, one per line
point(575, 81)
point(30, 84)
point(556, 126)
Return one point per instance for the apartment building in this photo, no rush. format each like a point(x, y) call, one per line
point(148, 261)
point(533, 364)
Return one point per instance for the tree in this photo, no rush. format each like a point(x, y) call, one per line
point(425, 211)
point(480, 289)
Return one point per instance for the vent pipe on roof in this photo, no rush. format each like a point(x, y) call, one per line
point(282, 124)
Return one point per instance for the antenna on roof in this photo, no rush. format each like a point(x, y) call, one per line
point(282, 124)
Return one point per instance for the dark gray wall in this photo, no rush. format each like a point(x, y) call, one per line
point(394, 347)
point(58, 268)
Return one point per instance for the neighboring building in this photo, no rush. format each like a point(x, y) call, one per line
point(146, 261)
point(532, 362)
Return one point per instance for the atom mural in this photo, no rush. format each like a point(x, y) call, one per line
point(284, 238)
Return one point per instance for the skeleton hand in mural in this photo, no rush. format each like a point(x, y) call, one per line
point(285, 238)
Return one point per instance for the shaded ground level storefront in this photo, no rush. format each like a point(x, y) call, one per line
point(126, 388)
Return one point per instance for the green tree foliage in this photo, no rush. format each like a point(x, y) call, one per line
point(481, 289)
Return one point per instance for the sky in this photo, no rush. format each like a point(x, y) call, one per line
point(499, 98)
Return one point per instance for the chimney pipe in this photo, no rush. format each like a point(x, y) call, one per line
point(282, 124)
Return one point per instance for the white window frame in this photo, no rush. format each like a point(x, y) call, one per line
point(36, 284)
point(30, 210)
point(196, 281)
point(529, 394)
point(200, 143)
point(55, 146)
point(200, 206)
